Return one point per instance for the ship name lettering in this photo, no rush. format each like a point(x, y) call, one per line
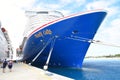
point(38, 35)
point(47, 31)
point(42, 33)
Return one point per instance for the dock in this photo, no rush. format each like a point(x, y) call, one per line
point(23, 71)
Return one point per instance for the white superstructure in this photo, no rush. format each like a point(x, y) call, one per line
point(3, 45)
point(38, 18)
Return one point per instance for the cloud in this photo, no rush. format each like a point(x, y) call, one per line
point(108, 5)
point(46, 6)
point(65, 6)
point(113, 31)
point(100, 4)
point(13, 18)
point(112, 11)
point(25, 4)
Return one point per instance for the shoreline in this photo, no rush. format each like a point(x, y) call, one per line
point(103, 57)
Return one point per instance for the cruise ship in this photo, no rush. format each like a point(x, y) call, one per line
point(52, 39)
point(3, 44)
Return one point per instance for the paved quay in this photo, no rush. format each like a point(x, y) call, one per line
point(23, 71)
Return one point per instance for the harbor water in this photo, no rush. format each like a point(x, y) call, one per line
point(93, 69)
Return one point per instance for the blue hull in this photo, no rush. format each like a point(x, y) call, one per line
point(66, 52)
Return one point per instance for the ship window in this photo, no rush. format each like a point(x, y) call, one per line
point(75, 32)
point(41, 40)
point(43, 12)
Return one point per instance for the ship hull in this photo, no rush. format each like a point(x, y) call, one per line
point(66, 52)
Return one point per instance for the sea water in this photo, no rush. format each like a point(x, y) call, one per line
point(93, 69)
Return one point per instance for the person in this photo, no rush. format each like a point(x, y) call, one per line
point(4, 65)
point(10, 65)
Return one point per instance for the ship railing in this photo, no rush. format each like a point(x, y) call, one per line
point(32, 13)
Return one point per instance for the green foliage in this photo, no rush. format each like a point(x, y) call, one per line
point(108, 56)
point(116, 55)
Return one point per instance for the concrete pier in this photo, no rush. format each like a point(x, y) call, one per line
point(23, 71)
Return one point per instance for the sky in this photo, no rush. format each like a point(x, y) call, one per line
point(12, 17)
